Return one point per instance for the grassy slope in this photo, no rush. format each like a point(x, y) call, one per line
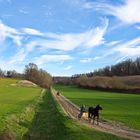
point(119, 107)
point(50, 123)
point(14, 101)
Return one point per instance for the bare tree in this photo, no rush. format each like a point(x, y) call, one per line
point(38, 76)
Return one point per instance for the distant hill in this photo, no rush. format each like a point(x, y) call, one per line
point(116, 83)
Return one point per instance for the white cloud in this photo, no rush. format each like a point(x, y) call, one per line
point(15, 34)
point(70, 41)
point(124, 50)
point(32, 31)
point(9, 32)
point(30, 46)
point(17, 61)
point(121, 59)
point(53, 41)
point(96, 37)
point(68, 68)
point(7, 65)
point(130, 44)
point(18, 57)
point(128, 12)
point(137, 27)
point(97, 57)
point(113, 43)
point(51, 58)
point(86, 60)
point(23, 11)
point(127, 49)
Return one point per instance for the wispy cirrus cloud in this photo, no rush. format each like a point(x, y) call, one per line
point(127, 12)
point(88, 60)
point(68, 67)
point(18, 57)
point(53, 41)
point(122, 50)
point(9, 32)
point(17, 35)
point(70, 41)
point(113, 43)
point(63, 41)
point(127, 49)
point(23, 11)
point(137, 27)
point(51, 58)
point(32, 31)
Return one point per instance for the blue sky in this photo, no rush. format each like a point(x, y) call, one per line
point(66, 37)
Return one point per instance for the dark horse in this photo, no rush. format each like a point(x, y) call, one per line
point(94, 112)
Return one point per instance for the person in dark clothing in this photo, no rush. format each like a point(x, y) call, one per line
point(58, 93)
point(82, 110)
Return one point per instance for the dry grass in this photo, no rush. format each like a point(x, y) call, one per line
point(8, 135)
point(115, 82)
point(24, 83)
point(131, 80)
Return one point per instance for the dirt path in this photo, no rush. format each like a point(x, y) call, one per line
point(106, 126)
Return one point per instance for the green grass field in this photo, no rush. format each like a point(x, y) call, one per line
point(15, 102)
point(118, 107)
point(27, 113)
point(50, 123)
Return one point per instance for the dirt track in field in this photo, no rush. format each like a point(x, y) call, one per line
point(106, 126)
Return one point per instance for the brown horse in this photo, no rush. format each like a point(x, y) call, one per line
point(94, 112)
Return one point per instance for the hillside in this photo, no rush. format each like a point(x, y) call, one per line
point(125, 83)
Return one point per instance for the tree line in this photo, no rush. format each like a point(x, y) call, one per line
point(37, 76)
point(11, 74)
point(128, 67)
point(31, 73)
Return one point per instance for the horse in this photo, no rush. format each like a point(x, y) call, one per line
point(94, 112)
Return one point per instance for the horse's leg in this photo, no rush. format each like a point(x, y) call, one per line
point(89, 116)
point(93, 119)
point(98, 120)
point(81, 114)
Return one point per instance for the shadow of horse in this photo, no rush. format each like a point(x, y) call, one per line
point(94, 112)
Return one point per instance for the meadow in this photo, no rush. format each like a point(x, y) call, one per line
point(15, 103)
point(118, 107)
point(27, 113)
point(50, 123)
